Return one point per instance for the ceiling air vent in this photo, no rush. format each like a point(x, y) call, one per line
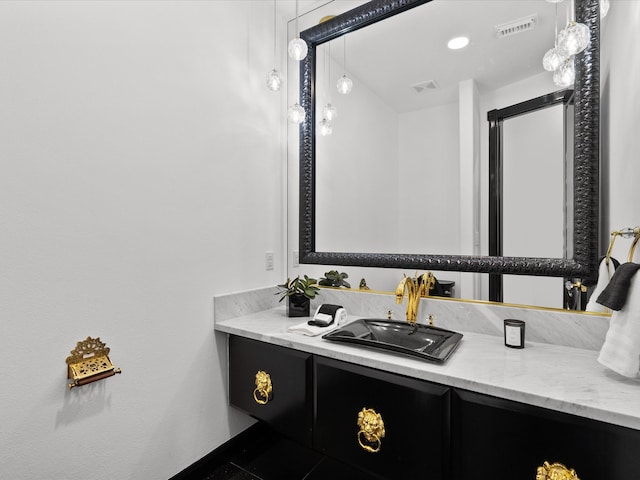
point(517, 26)
point(424, 86)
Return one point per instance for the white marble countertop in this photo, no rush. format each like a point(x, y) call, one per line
point(556, 377)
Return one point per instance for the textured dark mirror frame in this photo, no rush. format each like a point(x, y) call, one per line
point(586, 162)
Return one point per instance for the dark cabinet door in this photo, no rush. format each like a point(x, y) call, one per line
point(287, 406)
point(415, 415)
point(496, 438)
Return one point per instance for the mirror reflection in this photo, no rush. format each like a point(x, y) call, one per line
point(405, 115)
point(404, 168)
point(530, 171)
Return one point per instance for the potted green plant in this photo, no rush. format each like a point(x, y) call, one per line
point(298, 293)
point(333, 278)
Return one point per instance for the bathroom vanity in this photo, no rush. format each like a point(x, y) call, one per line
point(488, 412)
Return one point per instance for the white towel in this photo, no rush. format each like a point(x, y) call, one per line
point(605, 272)
point(621, 349)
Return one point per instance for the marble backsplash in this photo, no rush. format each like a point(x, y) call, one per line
point(557, 327)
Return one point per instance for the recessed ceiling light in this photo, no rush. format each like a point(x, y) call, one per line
point(458, 43)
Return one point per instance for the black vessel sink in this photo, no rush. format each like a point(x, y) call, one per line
point(423, 341)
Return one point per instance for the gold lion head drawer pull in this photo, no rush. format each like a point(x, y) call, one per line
point(263, 390)
point(371, 430)
point(555, 471)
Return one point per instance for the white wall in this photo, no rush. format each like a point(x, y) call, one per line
point(356, 186)
point(142, 170)
point(428, 189)
point(620, 114)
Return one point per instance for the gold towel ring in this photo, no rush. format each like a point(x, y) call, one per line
point(614, 235)
point(262, 392)
point(632, 249)
point(627, 233)
point(371, 430)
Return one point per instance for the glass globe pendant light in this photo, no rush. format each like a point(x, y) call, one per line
point(297, 47)
point(575, 37)
point(274, 79)
point(345, 84)
point(324, 127)
point(565, 75)
point(296, 114)
point(554, 57)
point(329, 112)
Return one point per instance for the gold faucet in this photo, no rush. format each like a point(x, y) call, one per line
point(416, 288)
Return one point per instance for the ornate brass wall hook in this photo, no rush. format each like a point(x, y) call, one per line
point(89, 362)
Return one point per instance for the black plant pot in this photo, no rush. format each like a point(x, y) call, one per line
point(298, 306)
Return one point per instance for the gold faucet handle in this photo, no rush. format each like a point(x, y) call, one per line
point(427, 283)
point(400, 289)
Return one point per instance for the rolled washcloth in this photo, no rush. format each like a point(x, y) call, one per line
point(621, 349)
point(605, 272)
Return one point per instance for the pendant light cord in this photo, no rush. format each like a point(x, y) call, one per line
point(324, 66)
point(274, 32)
point(297, 28)
point(344, 53)
point(328, 73)
point(556, 31)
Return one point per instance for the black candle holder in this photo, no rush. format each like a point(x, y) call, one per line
point(514, 333)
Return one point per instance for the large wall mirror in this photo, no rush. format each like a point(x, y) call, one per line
point(385, 189)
